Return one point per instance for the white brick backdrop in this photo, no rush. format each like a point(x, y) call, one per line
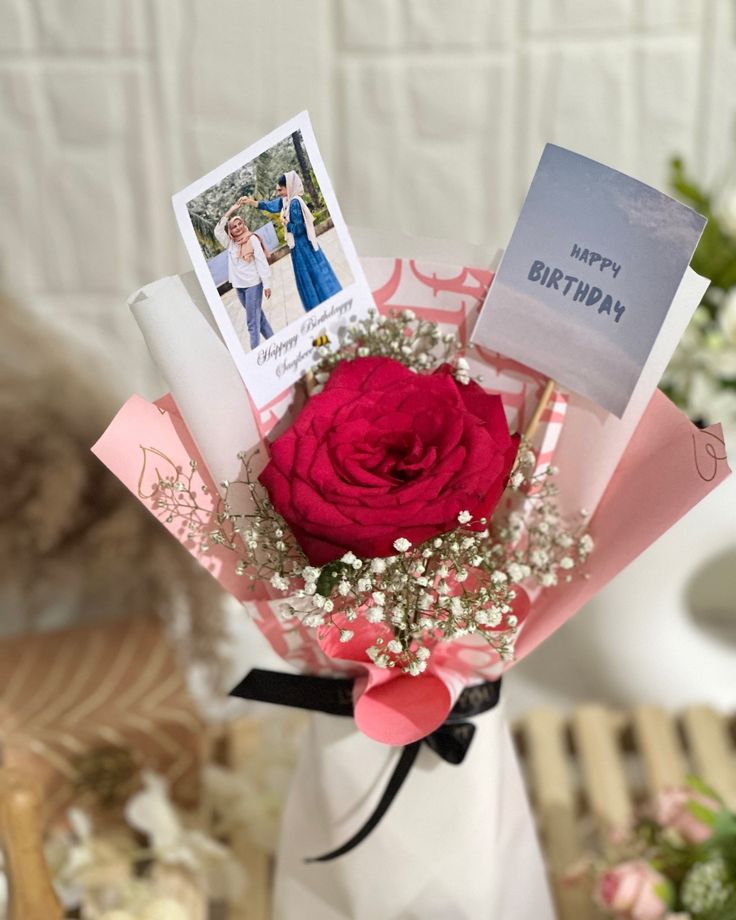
point(431, 116)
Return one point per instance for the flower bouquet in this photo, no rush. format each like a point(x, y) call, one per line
point(413, 516)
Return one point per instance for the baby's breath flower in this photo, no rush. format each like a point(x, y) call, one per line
point(516, 572)
point(346, 635)
point(402, 545)
point(310, 573)
point(378, 566)
point(464, 517)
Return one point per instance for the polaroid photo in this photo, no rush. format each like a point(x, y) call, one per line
point(274, 257)
point(588, 277)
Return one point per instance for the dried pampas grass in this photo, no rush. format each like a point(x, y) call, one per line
point(74, 544)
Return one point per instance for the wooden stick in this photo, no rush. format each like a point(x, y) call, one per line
point(310, 382)
point(531, 428)
point(32, 895)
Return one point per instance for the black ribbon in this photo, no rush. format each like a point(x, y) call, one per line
point(334, 695)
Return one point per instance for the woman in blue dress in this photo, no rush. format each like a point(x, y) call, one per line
point(315, 279)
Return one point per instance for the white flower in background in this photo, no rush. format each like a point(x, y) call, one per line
point(154, 909)
point(79, 861)
point(726, 208)
point(402, 544)
point(151, 812)
point(251, 797)
point(711, 402)
point(727, 317)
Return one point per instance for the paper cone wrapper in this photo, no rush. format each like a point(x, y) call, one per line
point(457, 841)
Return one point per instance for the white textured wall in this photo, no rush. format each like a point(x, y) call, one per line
point(431, 116)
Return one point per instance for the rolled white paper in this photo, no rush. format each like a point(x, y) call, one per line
point(198, 369)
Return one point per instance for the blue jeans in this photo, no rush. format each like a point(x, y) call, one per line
point(252, 299)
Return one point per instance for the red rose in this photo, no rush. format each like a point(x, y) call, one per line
point(384, 453)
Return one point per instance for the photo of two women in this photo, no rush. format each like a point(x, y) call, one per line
point(269, 241)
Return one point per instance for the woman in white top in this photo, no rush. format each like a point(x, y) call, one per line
point(247, 270)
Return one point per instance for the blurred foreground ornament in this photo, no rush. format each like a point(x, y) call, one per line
point(94, 705)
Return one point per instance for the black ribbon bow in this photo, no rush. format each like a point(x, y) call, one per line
point(334, 696)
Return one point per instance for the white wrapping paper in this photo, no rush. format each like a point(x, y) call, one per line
point(457, 843)
point(192, 358)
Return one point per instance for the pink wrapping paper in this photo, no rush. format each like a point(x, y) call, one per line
point(667, 468)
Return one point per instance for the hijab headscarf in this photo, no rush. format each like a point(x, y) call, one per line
point(294, 191)
point(245, 246)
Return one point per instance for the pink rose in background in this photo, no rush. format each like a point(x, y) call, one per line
point(672, 810)
point(631, 891)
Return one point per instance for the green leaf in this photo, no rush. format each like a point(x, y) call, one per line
point(665, 892)
point(704, 814)
point(724, 826)
point(726, 911)
point(330, 576)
